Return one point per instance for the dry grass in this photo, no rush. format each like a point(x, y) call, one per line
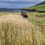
point(15, 30)
point(38, 21)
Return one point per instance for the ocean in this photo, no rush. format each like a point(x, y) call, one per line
point(10, 10)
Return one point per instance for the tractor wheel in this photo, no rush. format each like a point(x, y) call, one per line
point(25, 16)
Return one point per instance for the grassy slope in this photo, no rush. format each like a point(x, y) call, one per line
point(39, 7)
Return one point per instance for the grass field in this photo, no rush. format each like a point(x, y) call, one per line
point(38, 21)
point(16, 30)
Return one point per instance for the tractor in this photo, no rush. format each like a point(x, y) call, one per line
point(23, 13)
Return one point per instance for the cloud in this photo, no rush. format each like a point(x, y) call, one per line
point(25, 0)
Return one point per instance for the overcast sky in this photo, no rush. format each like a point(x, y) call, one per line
point(18, 3)
point(25, 0)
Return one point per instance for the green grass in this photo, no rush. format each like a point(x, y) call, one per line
point(39, 7)
point(6, 13)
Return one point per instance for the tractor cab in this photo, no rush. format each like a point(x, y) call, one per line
point(23, 13)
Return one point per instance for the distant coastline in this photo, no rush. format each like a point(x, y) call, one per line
point(9, 10)
point(12, 8)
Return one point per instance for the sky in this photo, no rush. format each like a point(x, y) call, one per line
point(25, 0)
point(18, 3)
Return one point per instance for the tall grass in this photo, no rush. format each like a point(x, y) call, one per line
point(38, 21)
point(15, 30)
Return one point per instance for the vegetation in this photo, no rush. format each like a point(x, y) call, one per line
point(6, 13)
point(16, 30)
point(38, 21)
point(38, 7)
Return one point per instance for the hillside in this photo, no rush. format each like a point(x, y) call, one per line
point(38, 7)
